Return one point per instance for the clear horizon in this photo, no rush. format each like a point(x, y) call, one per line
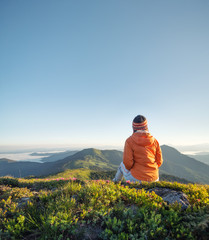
point(76, 73)
point(47, 148)
point(25, 154)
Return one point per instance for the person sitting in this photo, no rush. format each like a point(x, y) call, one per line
point(142, 155)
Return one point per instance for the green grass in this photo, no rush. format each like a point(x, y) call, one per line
point(67, 208)
point(81, 173)
point(84, 174)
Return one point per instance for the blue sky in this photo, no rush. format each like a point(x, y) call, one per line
point(76, 73)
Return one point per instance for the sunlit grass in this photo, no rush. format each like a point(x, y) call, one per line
point(65, 207)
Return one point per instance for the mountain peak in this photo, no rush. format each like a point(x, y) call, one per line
point(166, 148)
point(91, 151)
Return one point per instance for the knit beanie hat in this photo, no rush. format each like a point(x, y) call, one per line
point(139, 123)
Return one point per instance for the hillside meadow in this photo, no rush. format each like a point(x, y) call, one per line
point(68, 208)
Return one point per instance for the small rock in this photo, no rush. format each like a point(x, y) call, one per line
point(171, 196)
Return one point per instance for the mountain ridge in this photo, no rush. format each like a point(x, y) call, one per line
point(183, 166)
point(175, 164)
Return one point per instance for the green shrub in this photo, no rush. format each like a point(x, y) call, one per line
point(72, 209)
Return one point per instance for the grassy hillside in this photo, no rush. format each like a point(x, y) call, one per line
point(175, 164)
point(73, 209)
point(182, 166)
point(86, 174)
point(93, 159)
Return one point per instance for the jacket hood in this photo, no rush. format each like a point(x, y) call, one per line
point(142, 139)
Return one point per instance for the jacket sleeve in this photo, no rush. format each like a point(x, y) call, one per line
point(158, 156)
point(128, 159)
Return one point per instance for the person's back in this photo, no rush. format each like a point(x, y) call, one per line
point(142, 154)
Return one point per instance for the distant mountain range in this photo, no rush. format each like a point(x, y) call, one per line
point(57, 156)
point(202, 157)
point(93, 159)
point(175, 164)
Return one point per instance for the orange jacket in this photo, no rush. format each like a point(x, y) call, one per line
point(142, 156)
